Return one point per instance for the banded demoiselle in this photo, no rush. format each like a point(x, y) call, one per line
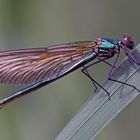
point(38, 67)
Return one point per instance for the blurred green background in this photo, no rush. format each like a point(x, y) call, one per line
point(40, 23)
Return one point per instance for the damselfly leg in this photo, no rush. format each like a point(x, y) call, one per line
point(95, 83)
point(84, 70)
point(111, 71)
point(41, 66)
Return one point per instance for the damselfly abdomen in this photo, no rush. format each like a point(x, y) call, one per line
point(41, 66)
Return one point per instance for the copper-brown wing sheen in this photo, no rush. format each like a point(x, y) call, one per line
point(29, 66)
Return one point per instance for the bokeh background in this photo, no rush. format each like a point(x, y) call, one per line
point(40, 23)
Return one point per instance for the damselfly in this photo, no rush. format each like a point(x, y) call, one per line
point(41, 66)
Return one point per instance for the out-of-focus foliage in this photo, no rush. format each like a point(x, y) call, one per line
point(34, 23)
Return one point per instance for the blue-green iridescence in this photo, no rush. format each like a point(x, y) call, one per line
point(107, 44)
point(90, 57)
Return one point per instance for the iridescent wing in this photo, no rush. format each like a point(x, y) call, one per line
point(30, 66)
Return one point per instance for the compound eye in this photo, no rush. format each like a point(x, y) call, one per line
point(128, 41)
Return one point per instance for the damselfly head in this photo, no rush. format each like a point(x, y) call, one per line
point(127, 42)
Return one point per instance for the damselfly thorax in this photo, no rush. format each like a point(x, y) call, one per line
point(38, 67)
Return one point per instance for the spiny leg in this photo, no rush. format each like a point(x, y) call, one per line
point(131, 56)
point(84, 70)
point(87, 66)
point(24, 92)
point(107, 63)
point(111, 79)
point(98, 61)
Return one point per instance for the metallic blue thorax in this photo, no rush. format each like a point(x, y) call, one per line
point(104, 49)
point(107, 43)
